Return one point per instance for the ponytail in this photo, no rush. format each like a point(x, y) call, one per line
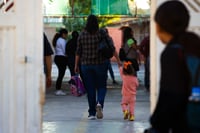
point(58, 35)
point(55, 38)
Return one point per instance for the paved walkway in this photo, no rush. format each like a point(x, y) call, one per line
point(68, 114)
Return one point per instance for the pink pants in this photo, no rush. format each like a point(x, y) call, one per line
point(128, 103)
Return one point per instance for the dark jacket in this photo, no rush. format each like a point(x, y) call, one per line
point(170, 111)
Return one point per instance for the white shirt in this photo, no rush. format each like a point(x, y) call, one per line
point(60, 46)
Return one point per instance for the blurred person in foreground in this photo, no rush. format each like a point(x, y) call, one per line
point(169, 115)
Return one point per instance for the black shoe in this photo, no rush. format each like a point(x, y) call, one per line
point(114, 82)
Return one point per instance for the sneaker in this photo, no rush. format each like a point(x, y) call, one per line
point(99, 111)
point(131, 118)
point(125, 114)
point(91, 117)
point(60, 93)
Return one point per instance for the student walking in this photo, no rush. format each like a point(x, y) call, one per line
point(59, 43)
point(144, 48)
point(71, 52)
point(129, 87)
point(129, 44)
point(110, 70)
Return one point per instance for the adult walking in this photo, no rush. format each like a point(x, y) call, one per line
point(110, 70)
point(59, 43)
point(144, 48)
point(129, 44)
point(71, 52)
point(93, 67)
point(170, 112)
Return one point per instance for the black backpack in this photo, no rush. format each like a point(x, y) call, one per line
point(193, 106)
point(105, 48)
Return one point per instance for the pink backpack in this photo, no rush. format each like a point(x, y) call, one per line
point(76, 86)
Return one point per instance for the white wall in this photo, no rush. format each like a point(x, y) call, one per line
point(21, 69)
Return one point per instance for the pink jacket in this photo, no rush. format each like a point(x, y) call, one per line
point(129, 85)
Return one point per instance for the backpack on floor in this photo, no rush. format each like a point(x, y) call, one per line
point(76, 86)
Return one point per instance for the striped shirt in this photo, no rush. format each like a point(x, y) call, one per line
point(87, 48)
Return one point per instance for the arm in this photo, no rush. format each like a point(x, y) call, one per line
point(115, 53)
point(78, 54)
point(48, 62)
point(76, 68)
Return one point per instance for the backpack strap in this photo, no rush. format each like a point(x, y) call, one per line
point(128, 51)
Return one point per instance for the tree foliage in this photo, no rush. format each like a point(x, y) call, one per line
point(80, 7)
point(79, 10)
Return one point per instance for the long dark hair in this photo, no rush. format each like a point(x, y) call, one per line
point(92, 25)
point(173, 17)
point(58, 35)
point(75, 35)
point(127, 33)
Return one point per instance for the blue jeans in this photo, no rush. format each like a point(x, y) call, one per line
point(95, 77)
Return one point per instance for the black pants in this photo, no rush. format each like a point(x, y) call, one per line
point(71, 64)
point(61, 63)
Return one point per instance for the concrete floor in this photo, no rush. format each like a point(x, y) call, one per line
point(68, 114)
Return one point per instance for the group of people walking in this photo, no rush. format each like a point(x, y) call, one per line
point(82, 57)
point(80, 54)
point(94, 67)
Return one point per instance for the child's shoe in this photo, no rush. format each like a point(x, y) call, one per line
point(131, 117)
point(125, 114)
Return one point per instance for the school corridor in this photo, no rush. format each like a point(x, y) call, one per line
point(68, 114)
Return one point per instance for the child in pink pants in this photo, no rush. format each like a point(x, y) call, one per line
point(129, 86)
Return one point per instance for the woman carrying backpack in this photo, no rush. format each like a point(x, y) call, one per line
point(71, 52)
point(93, 67)
point(129, 48)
